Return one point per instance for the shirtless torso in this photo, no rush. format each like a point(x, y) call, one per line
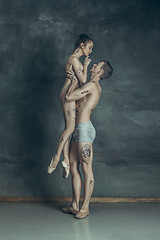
point(87, 98)
point(86, 105)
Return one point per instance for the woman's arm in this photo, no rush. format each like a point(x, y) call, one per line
point(81, 75)
point(80, 92)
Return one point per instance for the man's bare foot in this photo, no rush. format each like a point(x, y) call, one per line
point(70, 210)
point(53, 163)
point(66, 167)
point(83, 213)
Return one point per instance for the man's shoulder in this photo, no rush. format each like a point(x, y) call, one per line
point(90, 85)
point(94, 85)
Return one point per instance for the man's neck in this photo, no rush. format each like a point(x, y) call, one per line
point(94, 78)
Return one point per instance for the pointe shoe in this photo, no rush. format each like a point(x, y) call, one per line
point(69, 210)
point(83, 213)
point(66, 169)
point(53, 163)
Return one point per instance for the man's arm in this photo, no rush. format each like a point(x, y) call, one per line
point(81, 92)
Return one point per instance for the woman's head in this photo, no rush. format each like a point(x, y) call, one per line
point(85, 43)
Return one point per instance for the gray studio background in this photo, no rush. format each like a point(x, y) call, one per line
point(36, 38)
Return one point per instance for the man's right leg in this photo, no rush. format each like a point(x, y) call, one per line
point(76, 179)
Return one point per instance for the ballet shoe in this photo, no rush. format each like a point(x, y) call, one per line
point(83, 213)
point(69, 210)
point(53, 163)
point(66, 169)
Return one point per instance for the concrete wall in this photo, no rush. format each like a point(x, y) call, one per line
point(36, 38)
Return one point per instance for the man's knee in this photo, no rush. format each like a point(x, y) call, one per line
point(73, 168)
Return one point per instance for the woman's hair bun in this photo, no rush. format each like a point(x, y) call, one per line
point(83, 36)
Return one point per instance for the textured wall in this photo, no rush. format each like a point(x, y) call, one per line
point(36, 38)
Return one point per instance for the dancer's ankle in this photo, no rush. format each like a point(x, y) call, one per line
point(85, 206)
point(66, 159)
point(75, 206)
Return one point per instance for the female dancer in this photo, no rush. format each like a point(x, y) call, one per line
point(76, 73)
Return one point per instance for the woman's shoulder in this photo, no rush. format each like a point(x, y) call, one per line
point(73, 58)
point(70, 60)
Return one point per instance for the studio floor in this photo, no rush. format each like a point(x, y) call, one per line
point(108, 221)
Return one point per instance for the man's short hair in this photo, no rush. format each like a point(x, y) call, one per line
point(107, 69)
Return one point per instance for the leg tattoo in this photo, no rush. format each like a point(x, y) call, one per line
point(91, 182)
point(79, 70)
point(68, 113)
point(64, 100)
point(61, 140)
point(86, 151)
point(75, 113)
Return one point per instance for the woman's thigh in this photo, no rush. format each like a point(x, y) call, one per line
point(69, 111)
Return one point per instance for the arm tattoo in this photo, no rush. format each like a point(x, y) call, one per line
point(84, 92)
point(79, 70)
point(86, 151)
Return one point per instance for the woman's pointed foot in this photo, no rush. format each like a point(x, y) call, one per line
point(66, 168)
point(53, 163)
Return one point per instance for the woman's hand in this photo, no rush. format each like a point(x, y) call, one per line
point(87, 61)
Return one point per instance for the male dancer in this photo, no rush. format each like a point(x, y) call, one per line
point(81, 151)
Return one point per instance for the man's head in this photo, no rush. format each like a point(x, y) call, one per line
point(103, 69)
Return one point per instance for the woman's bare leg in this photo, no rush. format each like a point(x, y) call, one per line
point(65, 163)
point(69, 115)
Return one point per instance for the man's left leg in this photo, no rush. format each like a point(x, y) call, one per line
point(76, 180)
point(85, 152)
